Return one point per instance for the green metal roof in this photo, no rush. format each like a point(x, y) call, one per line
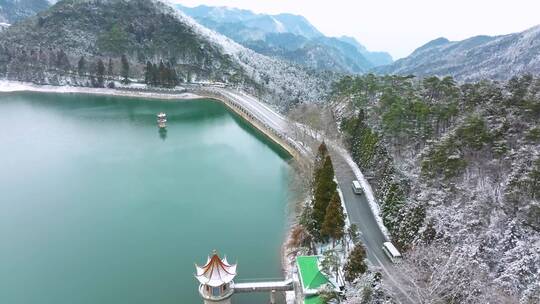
point(310, 274)
point(313, 300)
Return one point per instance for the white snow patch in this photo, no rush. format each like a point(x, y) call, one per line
point(280, 27)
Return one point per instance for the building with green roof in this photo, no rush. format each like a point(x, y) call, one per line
point(311, 278)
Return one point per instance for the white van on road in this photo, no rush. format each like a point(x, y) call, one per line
point(392, 252)
point(356, 187)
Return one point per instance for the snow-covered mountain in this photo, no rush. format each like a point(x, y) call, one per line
point(142, 31)
point(288, 37)
point(376, 58)
point(12, 11)
point(280, 23)
point(499, 57)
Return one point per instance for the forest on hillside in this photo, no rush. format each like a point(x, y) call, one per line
point(456, 172)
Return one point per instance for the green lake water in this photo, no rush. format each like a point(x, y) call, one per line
point(96, 206)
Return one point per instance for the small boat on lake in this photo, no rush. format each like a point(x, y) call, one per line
point(162, 120)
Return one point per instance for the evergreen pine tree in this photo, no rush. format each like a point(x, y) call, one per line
point(110, 68)
point(307, 221)
point(325, 187)
point(322, 152)
point(81, 66)
point(356, 265)
point(100, 73)
point(168, 76)
point(330, 263)
point(328, 294)
point(333, 226)
point(155, 75)
point(174, 77)
point(148, 73)
point(125, 69)
point(162, 74)
point(352, 233)
point(62, 61)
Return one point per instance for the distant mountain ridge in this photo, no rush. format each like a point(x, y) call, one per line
point(491, 57)
point(289, 37)
point(280, 23)
point(376, 58)
point(12, 11)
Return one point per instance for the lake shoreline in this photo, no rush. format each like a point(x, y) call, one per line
point(7, 86)
point(16, 86)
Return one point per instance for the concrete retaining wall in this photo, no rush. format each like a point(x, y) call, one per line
point(273, 135)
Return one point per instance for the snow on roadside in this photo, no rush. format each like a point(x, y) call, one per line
point(375, 209)
point(373, 205)
point(343, 205)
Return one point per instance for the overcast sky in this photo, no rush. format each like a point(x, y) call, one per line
point(400, 26)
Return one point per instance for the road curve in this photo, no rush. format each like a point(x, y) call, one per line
point(357, 206)
point(360, 213)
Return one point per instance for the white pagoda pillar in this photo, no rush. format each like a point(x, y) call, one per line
point(216, 280)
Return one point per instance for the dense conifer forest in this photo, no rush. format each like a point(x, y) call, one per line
point(456, 171)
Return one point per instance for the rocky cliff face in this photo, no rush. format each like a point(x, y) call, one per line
point(480, 57)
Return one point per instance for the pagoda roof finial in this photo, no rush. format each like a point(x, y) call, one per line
point(216, 271)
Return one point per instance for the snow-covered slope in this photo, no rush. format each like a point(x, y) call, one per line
point(499, 57)
point(456, 169)
point(283, 79)
point(143, 31)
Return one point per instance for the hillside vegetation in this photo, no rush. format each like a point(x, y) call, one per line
point(457, 174)
point(50, 45)
point(71, 42)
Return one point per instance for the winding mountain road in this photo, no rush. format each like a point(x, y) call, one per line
point(360, 213)
point(357, 206)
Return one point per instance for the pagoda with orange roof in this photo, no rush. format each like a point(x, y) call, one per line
point(216, 280)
